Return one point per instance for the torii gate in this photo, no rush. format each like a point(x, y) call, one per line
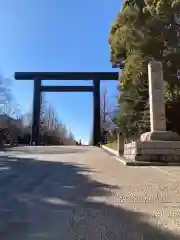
point(38, 88)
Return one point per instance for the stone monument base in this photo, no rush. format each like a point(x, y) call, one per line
point(153, 151)
point(160, 136)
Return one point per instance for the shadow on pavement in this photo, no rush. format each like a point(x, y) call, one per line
point(49, 200)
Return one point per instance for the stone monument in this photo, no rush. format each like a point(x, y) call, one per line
point(158, 144)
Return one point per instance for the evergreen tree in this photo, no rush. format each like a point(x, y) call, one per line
point(144, 30)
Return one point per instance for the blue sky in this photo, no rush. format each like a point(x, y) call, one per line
point(58, 35)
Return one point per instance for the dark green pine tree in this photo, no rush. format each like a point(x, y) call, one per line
point(144, 30)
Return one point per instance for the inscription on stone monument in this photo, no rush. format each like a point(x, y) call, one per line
point(156, 96)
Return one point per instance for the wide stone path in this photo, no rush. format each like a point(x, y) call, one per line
point(77, 193)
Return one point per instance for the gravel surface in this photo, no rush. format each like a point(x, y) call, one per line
point(77, 193)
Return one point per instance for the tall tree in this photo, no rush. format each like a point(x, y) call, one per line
point(52, 130)
point(106, 113)
point(144, 30)
point(5, 95)
point(9, 112)
point(104, 109)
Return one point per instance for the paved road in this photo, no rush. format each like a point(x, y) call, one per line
point(75, 193)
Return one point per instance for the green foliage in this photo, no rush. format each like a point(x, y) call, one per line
point(162, 9)
point(143, 30)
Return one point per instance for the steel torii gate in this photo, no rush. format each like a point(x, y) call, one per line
point(38, 88)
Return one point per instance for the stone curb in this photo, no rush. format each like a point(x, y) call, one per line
point(138, 163)
point(112, 151)
point(150, 164)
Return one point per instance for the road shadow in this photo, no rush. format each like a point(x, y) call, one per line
point(54, 200)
